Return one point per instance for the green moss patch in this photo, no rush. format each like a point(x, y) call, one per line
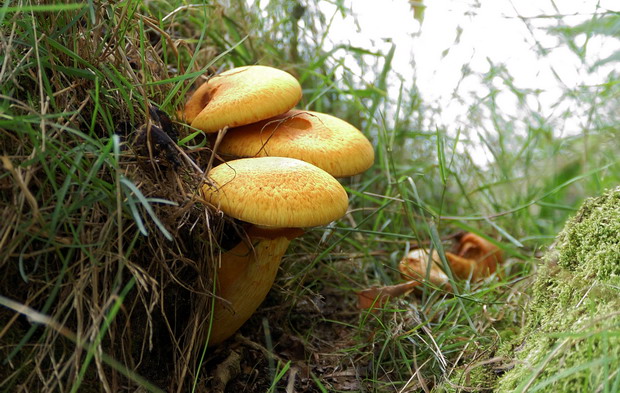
point(478, 378)
point(590, 242)
point(571, 341)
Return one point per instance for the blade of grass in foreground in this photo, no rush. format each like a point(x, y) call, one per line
point(44, 7)
point(147, 206)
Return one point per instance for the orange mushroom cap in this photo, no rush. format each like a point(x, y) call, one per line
point(242, 96)
point(276, 192)
point(323, 140)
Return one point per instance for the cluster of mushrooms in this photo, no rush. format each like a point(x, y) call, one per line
point(282, 177)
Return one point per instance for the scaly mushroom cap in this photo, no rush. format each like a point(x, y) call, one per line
point(241, 96)
point(276, 192)
point(330, 143)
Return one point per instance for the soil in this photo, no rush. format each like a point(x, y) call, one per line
point(303, 337)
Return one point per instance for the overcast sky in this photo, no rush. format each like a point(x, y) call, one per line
point(492, 29)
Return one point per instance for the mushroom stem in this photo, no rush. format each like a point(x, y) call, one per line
point(245, 276)
point(278, 195)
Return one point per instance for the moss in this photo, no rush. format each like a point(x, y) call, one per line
point(590, 242)
point(480, 379)
point(571, 341)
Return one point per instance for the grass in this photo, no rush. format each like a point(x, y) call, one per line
point(106, 250)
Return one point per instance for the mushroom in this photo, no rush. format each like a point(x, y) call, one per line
point(415, 269)
point(323, 140)
point(242, 96)
point(279, 196)
point(476, 257)
point(414, 266)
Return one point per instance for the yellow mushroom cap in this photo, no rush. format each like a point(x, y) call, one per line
point(323, 140)
point(241, 96)
point(276, 192)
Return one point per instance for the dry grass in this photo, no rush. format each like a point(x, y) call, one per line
point(85, 180)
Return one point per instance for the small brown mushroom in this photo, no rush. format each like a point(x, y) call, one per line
point(476, 258)
point(415, 266)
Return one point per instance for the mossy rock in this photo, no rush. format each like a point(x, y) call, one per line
point(590, 242)
point(571, 341)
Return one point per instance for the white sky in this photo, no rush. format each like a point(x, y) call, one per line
point(491, 30)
